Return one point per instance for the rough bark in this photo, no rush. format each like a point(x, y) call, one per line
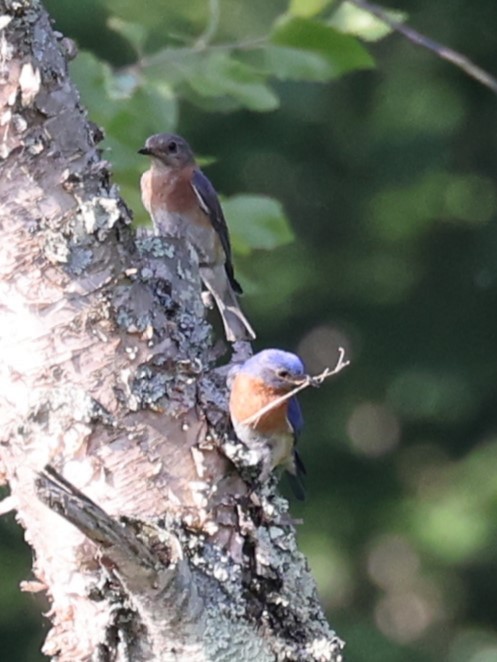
point(106, 374)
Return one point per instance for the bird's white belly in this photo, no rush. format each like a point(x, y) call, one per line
point(275, 450)
point(281, 450)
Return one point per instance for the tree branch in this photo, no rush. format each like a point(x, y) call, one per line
point(147, 560)
point(457, 59)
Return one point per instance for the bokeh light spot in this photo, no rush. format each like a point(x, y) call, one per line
point(403, 617)
point(373, 429)
point(392, 562)
point(319, 347)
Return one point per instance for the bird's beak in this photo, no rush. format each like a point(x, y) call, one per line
point(146, 151)
point(306, 379)
point(297, 380)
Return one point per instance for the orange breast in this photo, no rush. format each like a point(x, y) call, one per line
point(170, 200)
point(171, 190)
point(248, 396)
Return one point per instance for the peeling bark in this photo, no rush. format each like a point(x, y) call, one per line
point(107, 375)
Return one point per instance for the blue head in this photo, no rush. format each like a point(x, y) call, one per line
point(278, 369)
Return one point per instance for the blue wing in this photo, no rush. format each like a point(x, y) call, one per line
point(207, 196)
point(295, 416)
point(297, 422)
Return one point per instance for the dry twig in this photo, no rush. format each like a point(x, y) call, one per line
point(308, 381)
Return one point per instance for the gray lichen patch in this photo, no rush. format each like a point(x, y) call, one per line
point(276, 597)
point(79, 260)
point(155, 298)
point(149, 244)
point(99, 215)
point(248, 461)
point(151, 387)
point(128, 319)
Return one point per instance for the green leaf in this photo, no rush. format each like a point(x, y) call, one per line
point(172, 65)
point(150, 110)
point(256, 222)
point(165, 103)
point(349, 18)
point(213, 80)
point(307, 8)
point(135, 33)
point(343, 52)
point(293, 64)
point(216, 104)
point(91, 77)
point(218, 75)
point(129, 109)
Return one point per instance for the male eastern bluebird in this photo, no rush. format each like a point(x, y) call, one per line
point(182, 201)
point(262, 379)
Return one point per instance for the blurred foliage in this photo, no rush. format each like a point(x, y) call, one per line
point(363, 210)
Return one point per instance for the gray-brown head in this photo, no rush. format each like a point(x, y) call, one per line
point(170, 150)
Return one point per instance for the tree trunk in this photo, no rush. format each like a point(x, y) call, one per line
point(106, 375)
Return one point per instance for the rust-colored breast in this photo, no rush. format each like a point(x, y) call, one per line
point(171, 201)
point(248, 396)
point(171, 190)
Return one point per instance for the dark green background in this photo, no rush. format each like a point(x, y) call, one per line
point(387, 177)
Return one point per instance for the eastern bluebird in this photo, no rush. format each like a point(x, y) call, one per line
point(262, 379)
point(182, 201)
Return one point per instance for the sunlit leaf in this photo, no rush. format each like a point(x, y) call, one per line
point(256, 222)
point(343, 52)
point(307, 8)
point(349, 18)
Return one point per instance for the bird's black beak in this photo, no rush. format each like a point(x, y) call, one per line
point(146, 151)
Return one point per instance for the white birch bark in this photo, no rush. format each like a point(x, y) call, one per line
point(160, 552)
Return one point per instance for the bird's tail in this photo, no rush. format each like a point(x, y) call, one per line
point(236, 325)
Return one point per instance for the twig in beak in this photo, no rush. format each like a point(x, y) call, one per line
point(309, 380)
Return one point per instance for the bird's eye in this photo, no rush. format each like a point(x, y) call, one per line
point(283, 373)
point(172, 147)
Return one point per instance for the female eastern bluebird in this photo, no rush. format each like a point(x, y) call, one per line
point(182, 201)
point(262, 379)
